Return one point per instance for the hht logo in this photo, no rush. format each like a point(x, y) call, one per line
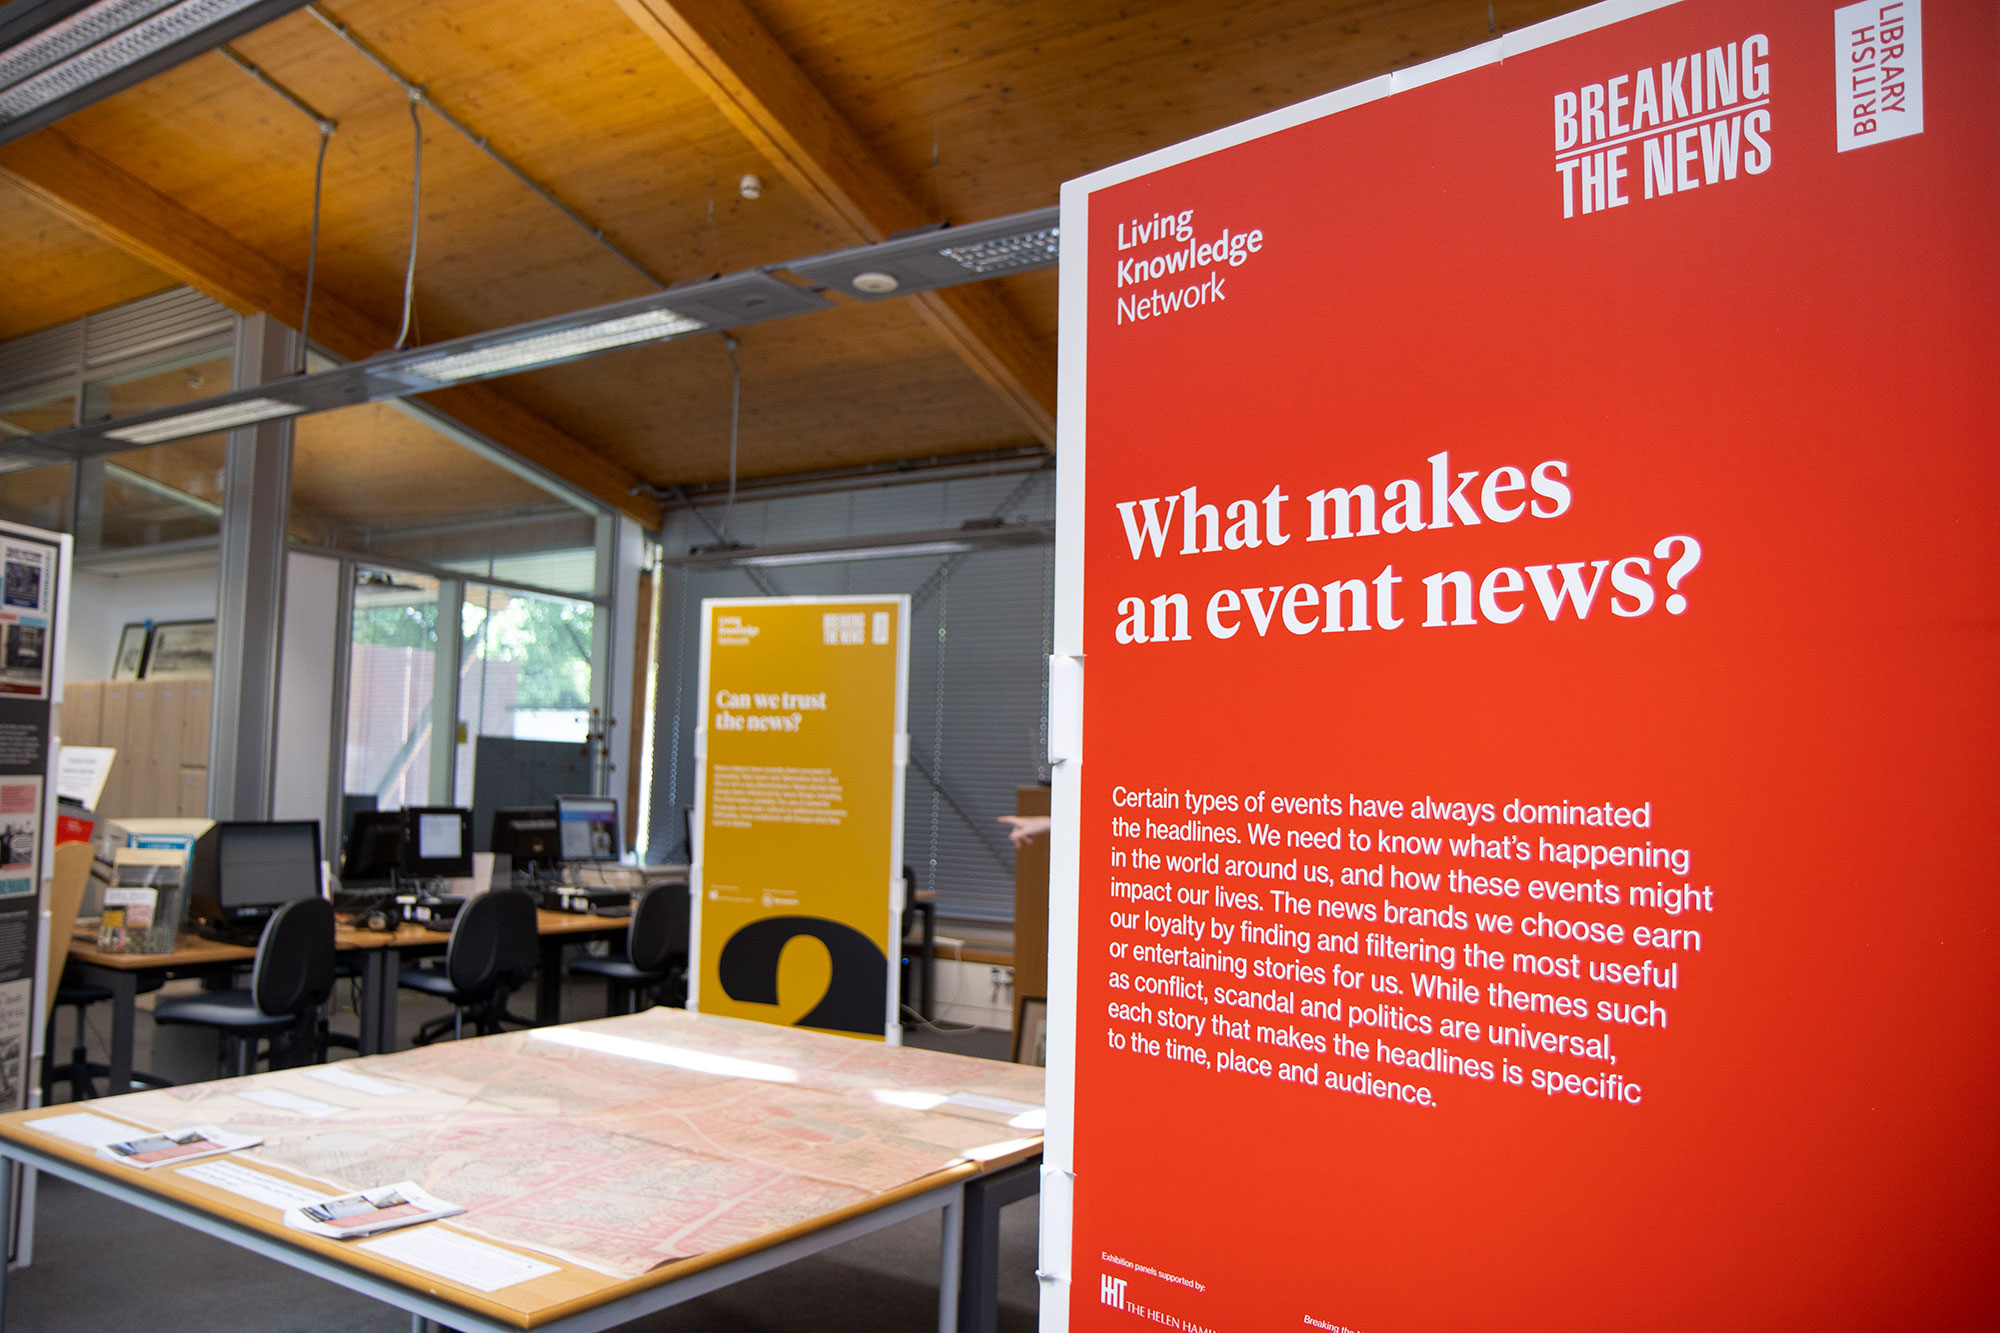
point(1111, 1290)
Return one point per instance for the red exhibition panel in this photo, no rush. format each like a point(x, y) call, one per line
point(1541, 752)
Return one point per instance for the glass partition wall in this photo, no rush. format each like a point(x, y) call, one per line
point(435, 529)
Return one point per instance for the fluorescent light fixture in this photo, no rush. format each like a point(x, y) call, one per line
point(1006, 254)
point(941, 256)
point(59, 55)
point(751, 557)
point(657, 1053)
point(547, 349)
point(247, 412)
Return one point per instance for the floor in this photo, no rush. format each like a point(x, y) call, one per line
point(99, 1264)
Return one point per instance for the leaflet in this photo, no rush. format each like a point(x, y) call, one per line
point(365, 1212)
point(176, 1145)
point(463, 1260)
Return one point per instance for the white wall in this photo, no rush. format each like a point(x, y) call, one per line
point(305, 688)
point(101, 605)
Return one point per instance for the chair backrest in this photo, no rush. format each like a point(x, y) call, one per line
point(493, 943)
point(294, 968)
point(659, 933)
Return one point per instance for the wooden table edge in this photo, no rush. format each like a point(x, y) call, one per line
point(16, 1127)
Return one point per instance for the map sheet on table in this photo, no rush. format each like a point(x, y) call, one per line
point(629, 1142)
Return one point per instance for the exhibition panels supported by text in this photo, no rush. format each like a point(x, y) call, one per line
point(1523, 709)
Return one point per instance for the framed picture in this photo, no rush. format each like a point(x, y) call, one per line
point(131, 660)
point(1031, 1030)
point(181, 648)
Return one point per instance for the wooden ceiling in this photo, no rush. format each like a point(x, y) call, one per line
point(860, 117)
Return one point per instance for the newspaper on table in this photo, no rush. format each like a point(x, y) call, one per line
point(366, 1212)
point(175, 1146)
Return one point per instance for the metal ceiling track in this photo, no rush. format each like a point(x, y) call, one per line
point(930, 258)
point(58, 56)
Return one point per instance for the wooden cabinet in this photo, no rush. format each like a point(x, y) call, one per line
point(160, 730)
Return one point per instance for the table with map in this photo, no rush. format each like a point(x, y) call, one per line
point(626, 1155)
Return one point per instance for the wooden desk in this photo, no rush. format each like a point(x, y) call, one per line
point(624, 1079)
point(381, 964)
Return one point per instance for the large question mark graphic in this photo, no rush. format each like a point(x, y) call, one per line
point(1690, 557)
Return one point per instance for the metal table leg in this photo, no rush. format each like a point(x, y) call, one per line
point(124, 988)
point(929, 913)
point(979, 1280)
point(548, 985)
point(951, 1255)
point(378, 1000)
point(7, 1176)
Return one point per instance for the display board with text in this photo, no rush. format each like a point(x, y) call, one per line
point(34, 571)
point(797, 873)
point(1527, 577)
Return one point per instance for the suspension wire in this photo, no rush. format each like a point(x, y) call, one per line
point(312, 244)
point(479, 141)
point(416, 201)
point(729, 345)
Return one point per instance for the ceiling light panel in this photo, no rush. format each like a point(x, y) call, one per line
point(246, 412)
point(548, 349)
point(66, 37)
point(57, 57)
point(938, 257)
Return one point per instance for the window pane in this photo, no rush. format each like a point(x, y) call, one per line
point(198, 374)
point(389, 687)
point(38, 496)
point(165, 493)
point(526, 670)
point(377, 479)
point(32, 418)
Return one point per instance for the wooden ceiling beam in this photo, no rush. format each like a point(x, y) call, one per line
point(112, 204)
point(733, 58)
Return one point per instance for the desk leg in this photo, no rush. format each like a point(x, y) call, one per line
point(124, 1018)
point(979, 1279)
point(378, 997)
point(929, 1010)
point(7, 1178)
point(951, 1251)
point(548, 986)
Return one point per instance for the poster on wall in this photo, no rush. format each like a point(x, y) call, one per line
point(33, 566)
point(797, 874)
point(1525, 699)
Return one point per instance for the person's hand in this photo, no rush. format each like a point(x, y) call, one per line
point(1023, 829)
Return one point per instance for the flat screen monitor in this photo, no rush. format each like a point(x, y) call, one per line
point(374, 847)
point(589, 826)
point(437, 841)
point(264, 865)
point(526, 835)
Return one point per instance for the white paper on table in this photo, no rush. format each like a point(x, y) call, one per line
point(260, 1186)
point(281, 1100)
point(81, 771)
point(345, 1078)
point(92, 1131)
point(460, 1259)
point(979, 1101)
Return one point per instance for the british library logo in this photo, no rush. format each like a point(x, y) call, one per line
point(1878, 71)
point(1692, 122)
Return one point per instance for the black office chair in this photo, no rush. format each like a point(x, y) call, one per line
point(72, 992)
point(656, 954)
point(494, 948)
point(289, 982)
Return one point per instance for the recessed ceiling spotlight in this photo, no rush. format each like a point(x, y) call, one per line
point(750, 186)
point(875, 284)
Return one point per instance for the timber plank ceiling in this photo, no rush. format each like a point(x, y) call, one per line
point(962, 109)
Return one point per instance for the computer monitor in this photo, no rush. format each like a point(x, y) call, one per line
point(374, 847)
point(242, 872)
point(526, 835)
point(437, 841)
point(589, 827)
